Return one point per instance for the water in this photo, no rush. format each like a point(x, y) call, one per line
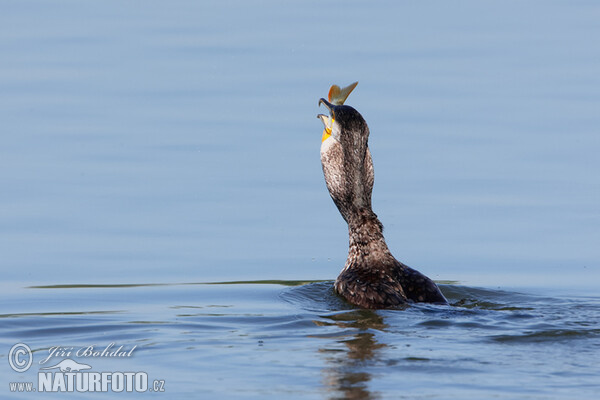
point(149, 151)
point(274, 339)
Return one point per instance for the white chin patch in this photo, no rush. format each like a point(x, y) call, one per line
point(326, 144)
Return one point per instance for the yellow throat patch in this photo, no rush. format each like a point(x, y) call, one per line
point(326, 133)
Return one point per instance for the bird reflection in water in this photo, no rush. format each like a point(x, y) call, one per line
point(348, 373)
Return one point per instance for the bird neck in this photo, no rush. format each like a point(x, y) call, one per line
point(366, 237)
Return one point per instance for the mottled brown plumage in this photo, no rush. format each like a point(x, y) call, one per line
point(372, 277)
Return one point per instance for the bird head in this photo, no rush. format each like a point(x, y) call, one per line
point(345, 155)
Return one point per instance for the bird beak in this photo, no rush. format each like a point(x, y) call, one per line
point(327, 104)
point(327, 122)
point(339, 95)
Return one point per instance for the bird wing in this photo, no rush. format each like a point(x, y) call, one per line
point(367, 289)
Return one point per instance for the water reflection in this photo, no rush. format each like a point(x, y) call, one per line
point(347, 375)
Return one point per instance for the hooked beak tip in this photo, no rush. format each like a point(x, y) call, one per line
point(325, 103)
